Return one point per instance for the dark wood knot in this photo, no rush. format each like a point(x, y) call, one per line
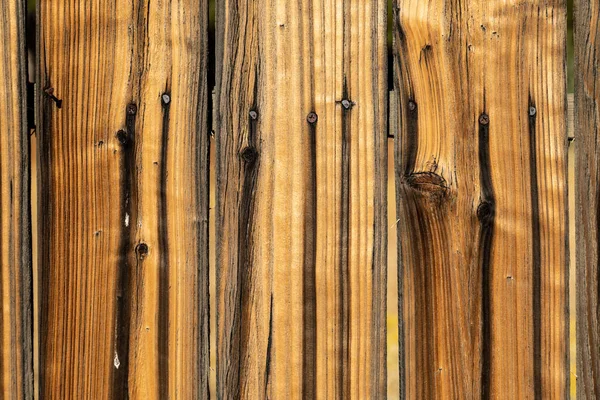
point(486, 212)
point(249, 154)
point(142, 250)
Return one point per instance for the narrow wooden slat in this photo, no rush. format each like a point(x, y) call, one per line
point(124, 199)
point(587, 192)
point(301, 231)
point(481, 162)
point(571, 115)
point(16, 324)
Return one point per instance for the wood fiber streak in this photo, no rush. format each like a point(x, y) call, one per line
point(16, 324)
point(301, 231)
point(123, 199)
point(481, 161)
point(587, 192)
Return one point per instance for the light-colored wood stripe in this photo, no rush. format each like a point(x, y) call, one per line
point(301, 223)
point(16, 325)
point(123, 199)
point(481, 189)
point(571, 115)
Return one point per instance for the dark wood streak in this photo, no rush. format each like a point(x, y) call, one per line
point(45, 198)
point(309, 326)
point(250, 159)
point(123, 310)
point(345, 295)
point(412, 138)
point(486, 214)
point(536, 256)
point(163, 237)
point(269, 349)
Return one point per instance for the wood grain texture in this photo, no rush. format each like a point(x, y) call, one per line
point(124, 199)
point(587, 192)
point(16, 317)
point(481, 163)
point(301, 215)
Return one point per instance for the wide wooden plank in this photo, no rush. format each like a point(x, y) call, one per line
point(301, 217)
point(587, 192)
point(16, 323)
point(481, 163)
point(123, 199)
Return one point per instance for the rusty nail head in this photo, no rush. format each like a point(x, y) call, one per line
point(312, 117)
point(484, 119)
point(412, 106)
point(131, 109)
point(532, 111)
point(253, 115)
point(166, 98)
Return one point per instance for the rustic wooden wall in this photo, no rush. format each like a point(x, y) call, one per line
point(481, 191)
point(16, 327)
point(301, 219)
point(587, 180)
point(123, 199)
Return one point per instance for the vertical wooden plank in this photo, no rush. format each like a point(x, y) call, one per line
point(481, 190)
point(124, 199)
point(16, 324)
point(587, 190)
point(301, 158)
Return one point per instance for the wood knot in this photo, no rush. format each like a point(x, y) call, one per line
point(122, 137)
point(486, 212)
point(428, 183)
point(249, 154)
point(142, 251)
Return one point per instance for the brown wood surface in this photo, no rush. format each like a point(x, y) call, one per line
point(587, 190)
point(481, 162)
point(16, 324)
point(123, 207)
point(301, 216)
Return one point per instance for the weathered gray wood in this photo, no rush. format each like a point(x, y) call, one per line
point(16, 316)
point(587, 191)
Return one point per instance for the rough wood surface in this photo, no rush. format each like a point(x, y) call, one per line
point(16, 324)
point(124, 199)
point(587, 192)
point(301, 217)
point(481, 189)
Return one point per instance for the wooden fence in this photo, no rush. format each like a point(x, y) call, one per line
point(117, 301)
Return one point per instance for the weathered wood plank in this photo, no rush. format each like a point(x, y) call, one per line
point(587, 193)
point(301, 231)
point(124, 199)
point(16, 324)
point(481, 158)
